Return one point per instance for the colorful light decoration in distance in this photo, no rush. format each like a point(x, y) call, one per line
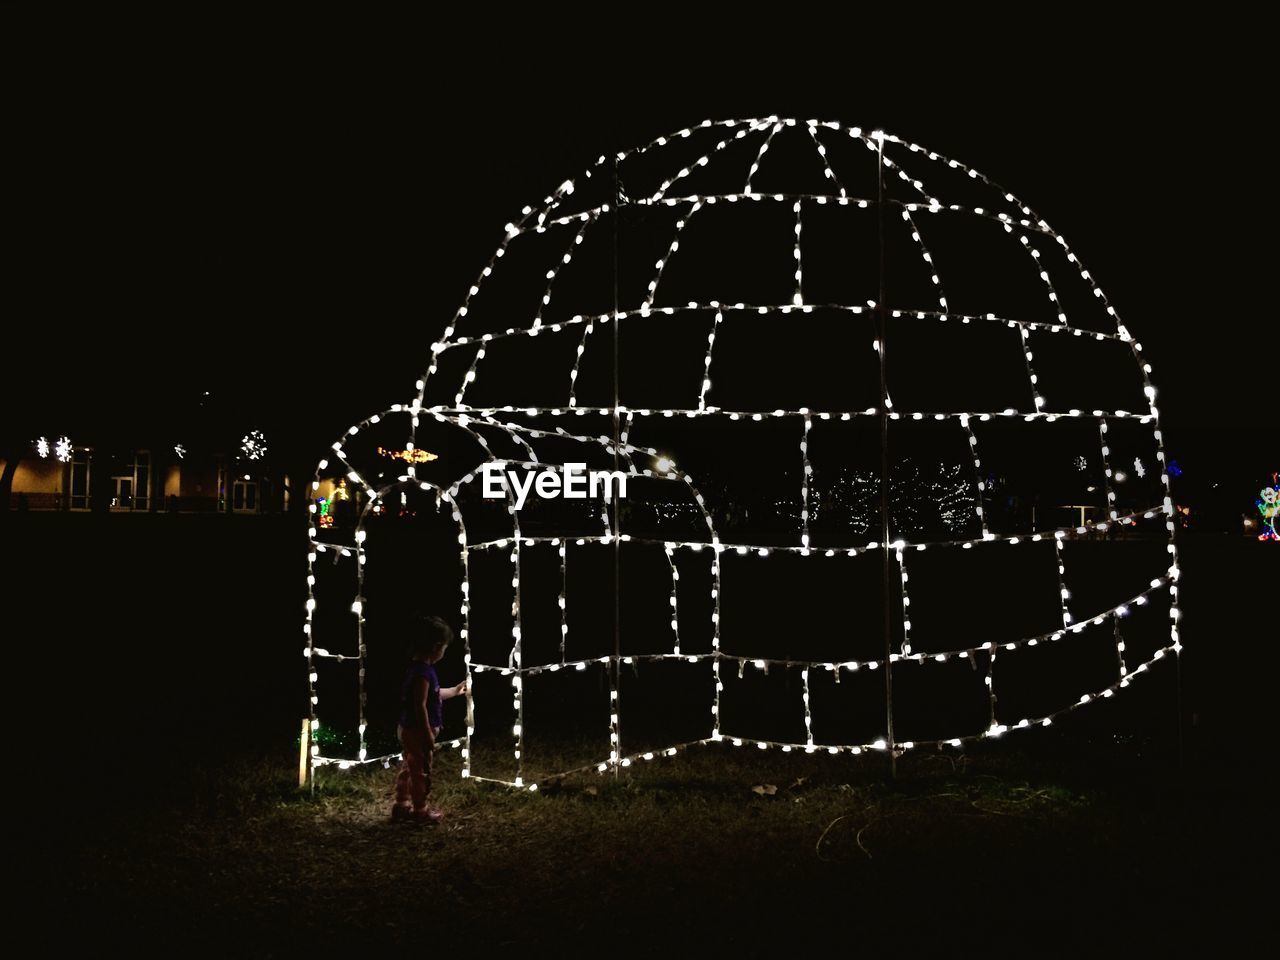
point(324, 505)
point(1268, 504)
point(647, 461)
point(408, 456)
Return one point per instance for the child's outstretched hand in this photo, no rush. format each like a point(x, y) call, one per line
point(460, 689)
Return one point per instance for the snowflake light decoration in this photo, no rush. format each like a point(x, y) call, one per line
point(62, 449)
point(669, 185)
point(254, 445)
point(42, 447)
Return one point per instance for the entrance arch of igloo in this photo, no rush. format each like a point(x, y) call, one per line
point(540, 373)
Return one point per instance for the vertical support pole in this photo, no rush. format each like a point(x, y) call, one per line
point(517, 653)
point(466, 636)
point(362, 695)
point(1175, 633)
point(881, 330)
point(1177, 680)
point(615, 678)
point(305, 772)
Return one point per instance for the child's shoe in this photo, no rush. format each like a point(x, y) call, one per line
point(427, 815)
point(401, 811)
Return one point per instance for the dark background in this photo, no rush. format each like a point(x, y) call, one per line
point(289, 225)
point(290, 230)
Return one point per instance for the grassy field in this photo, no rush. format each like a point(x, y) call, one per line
point(154, 703)
point(681, 855)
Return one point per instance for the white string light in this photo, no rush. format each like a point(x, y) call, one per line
point(701, 161)
point(357, 607)
point(742, 414)
point(577, 360)
point(562, 550)
point(812, 128)
point(1119, 638)
point(1022, 223)
point(706, 363)
point(1107, 484)
point(798, 297)
point(1120, 611)
point(718, 547)
point(906, 603)
point(928, 262)
point(764, 147)
point(671, 252)
point(979, 504)
point(808, 716)
point(942, 316)
point(805, 478)
point(669, 551)
point(934, 207)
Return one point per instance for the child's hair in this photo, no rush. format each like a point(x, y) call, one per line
point(428, 635)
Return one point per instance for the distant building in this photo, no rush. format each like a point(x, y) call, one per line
point(147, 481)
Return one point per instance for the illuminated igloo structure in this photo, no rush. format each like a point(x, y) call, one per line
point(896, 477)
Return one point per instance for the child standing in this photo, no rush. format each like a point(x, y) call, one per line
point(421, 718)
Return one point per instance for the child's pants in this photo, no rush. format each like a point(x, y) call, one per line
point(414, 781)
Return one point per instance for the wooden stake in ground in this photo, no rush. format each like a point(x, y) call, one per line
point(304, 751)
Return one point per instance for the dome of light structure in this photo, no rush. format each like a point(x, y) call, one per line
point(895, 476)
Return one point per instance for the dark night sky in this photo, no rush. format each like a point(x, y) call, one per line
point(290, 233)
